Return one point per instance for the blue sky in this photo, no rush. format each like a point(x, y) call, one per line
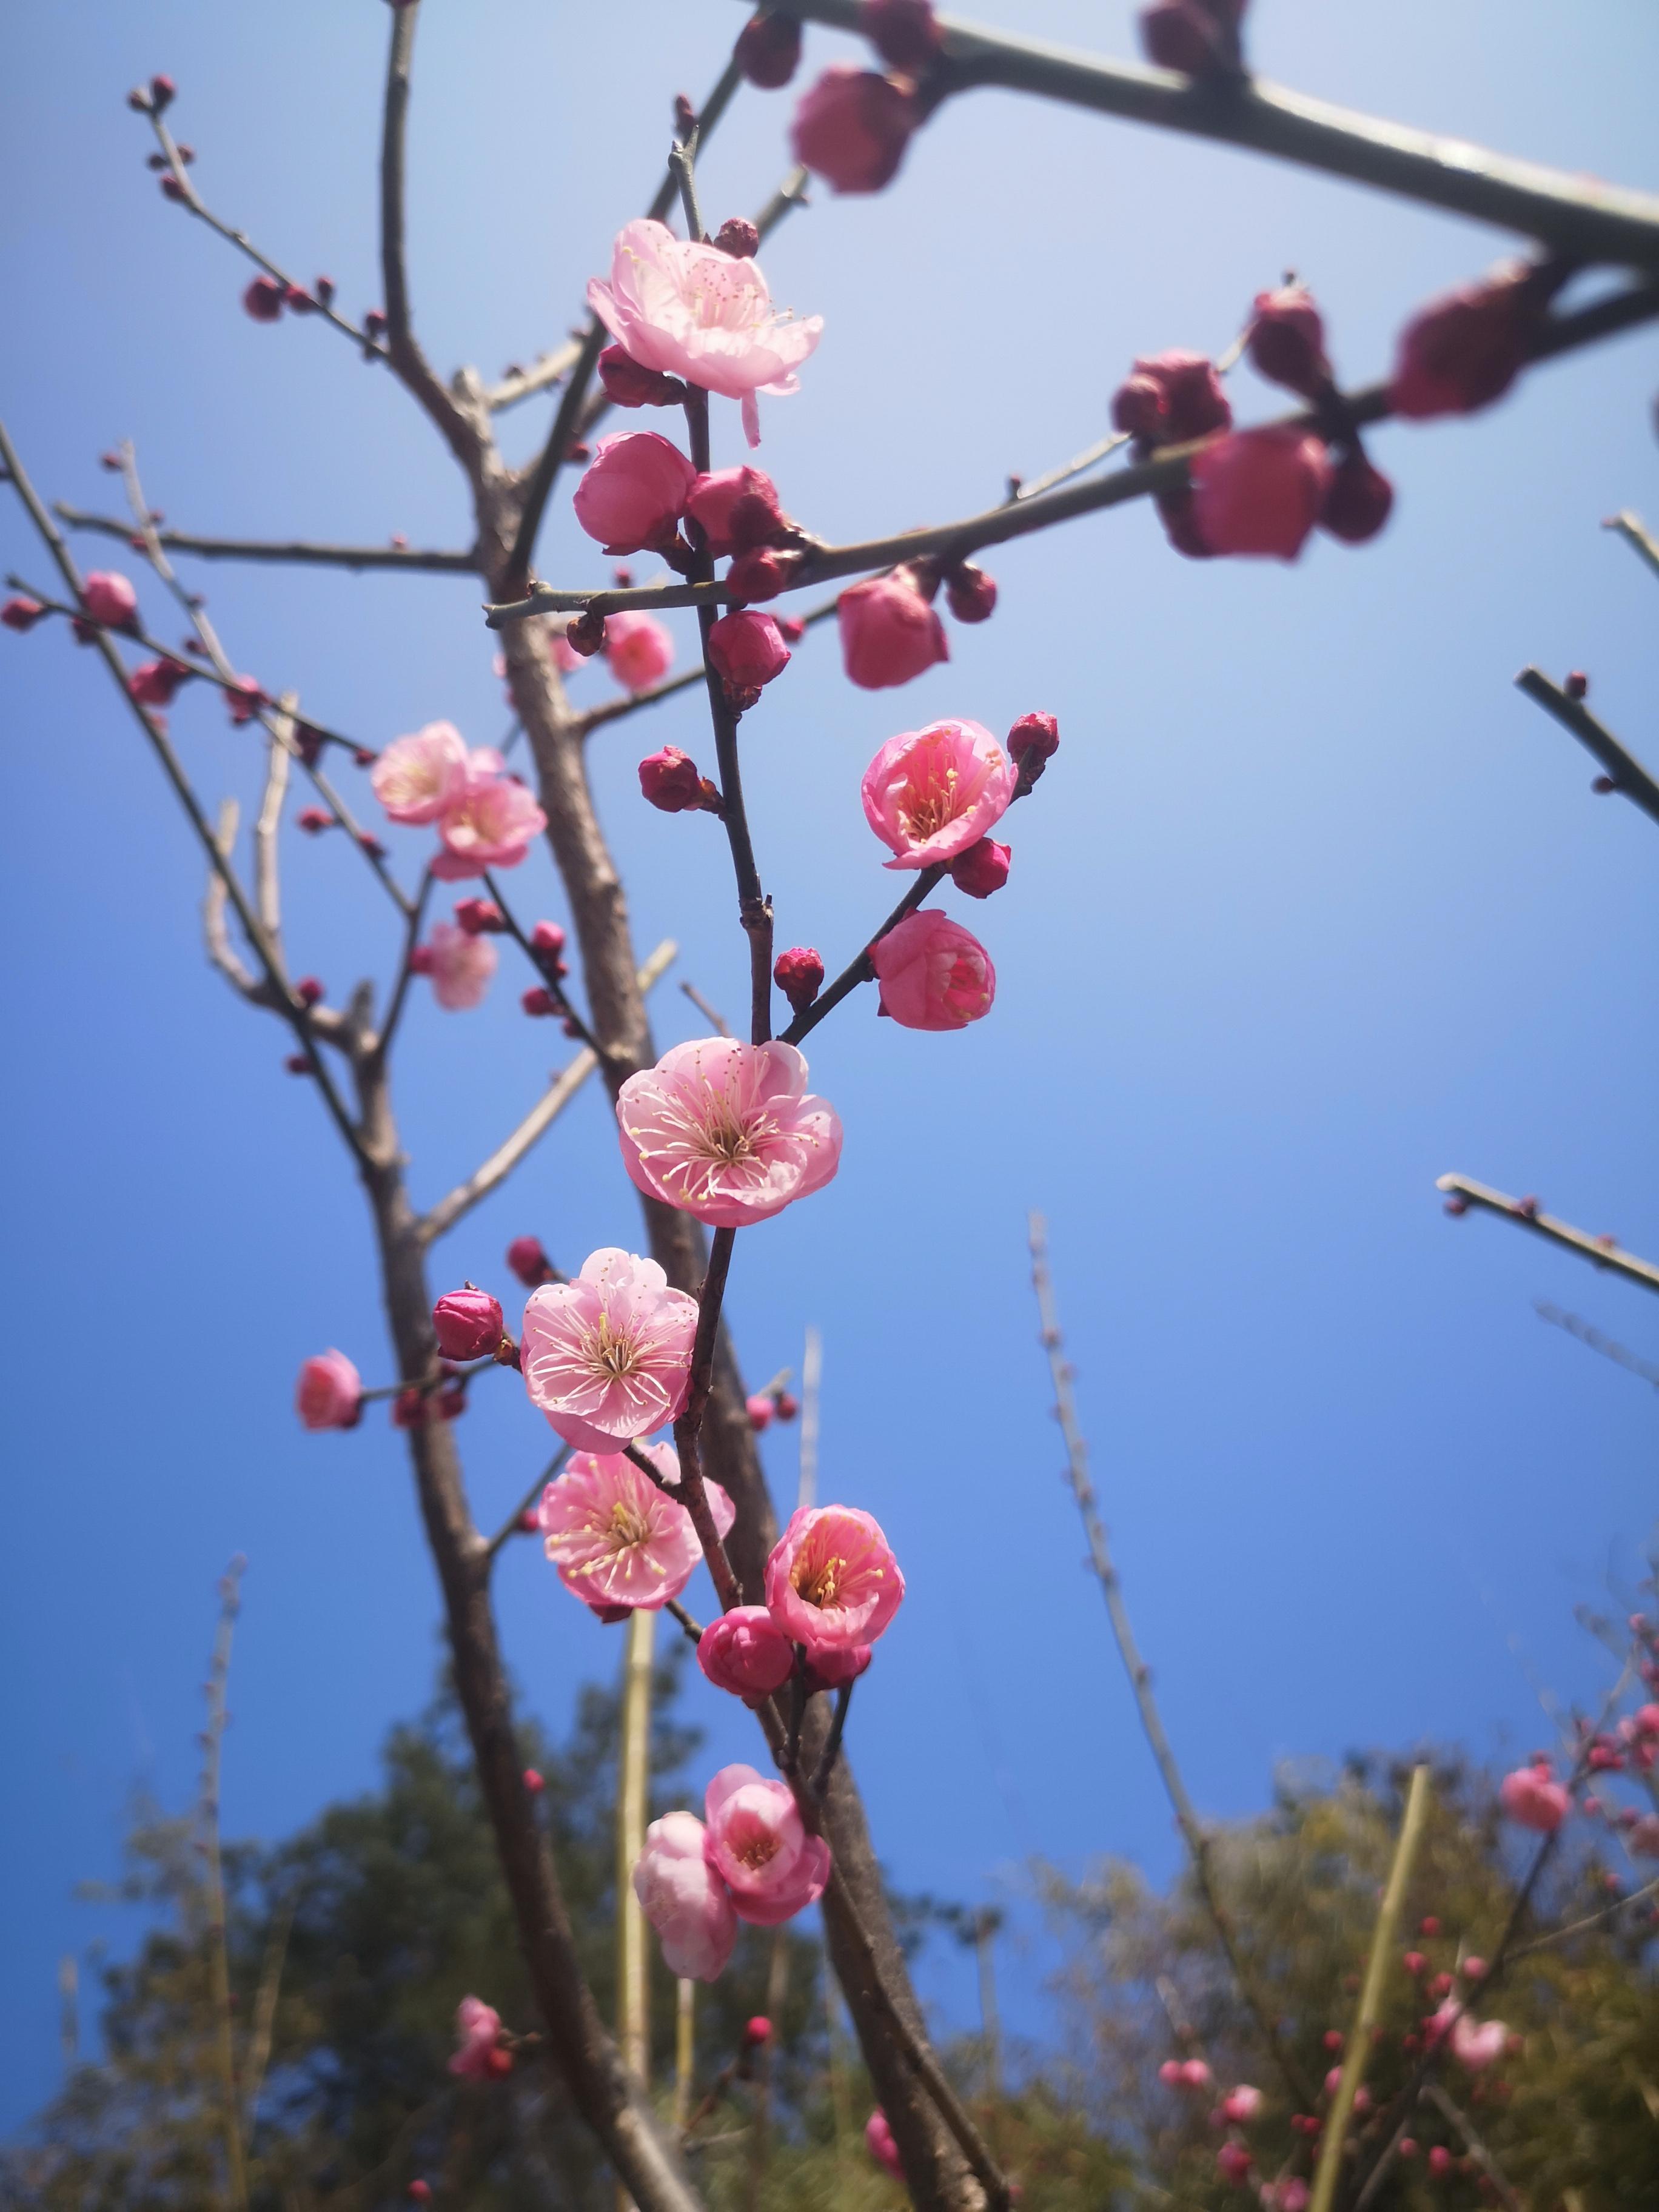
point(1311, 906)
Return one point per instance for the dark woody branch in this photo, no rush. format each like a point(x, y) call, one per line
point(1623, 773)
point(301, 552)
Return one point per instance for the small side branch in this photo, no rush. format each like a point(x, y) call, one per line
point(524, 383)
point(1629, 527)
point(514, 1522)
point(302, 552)
point(1601, 1251)
point(1588, 1334)
point(267, 879)
point(1624, 773)
point(1455, 2116)
point(220, 951)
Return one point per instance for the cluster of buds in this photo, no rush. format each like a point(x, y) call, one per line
point(267, 296)
point(546, 946)
point(775, 1402)
point(852, 126)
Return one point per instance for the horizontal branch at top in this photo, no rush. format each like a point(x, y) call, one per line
point(304, 551)
point(1577, 215)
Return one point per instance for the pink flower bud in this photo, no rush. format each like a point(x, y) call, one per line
point(1195, 2074)
point(109, 599)
point(739, 237)
point(313, 820)
point(547, 939)
point(533, 1782)
point(982, 869)
point(768, 50)
point(22, 614)
point(628, 383)
point(832, 1666)
point(878, 2141)
point(757, 2030)
point(671, 780)
point(1474, 1969)
point(760, 574)
point(1576, 687)
point(1466, 348)
point(851, 128)
point(787, 1407)
point(330, 1392)
point(162, 93)
point(1440, 2162)
point(1414, 1962)
point(745, 649)
point(1241, 2106)
point(638, 650)
point(469, 1324)
point(479, 917)
point(889, 633)
point(1197, 36)
point(297, 299)
point(538, 1000)
point(904, 32)
point(798, 974)
point(759, 1410)
point(309, 991)
point(934, 975)
point(1286, 343)
point(746, 1651)
point(526, 1257)
point(1033, 741)
point(1169, 398)
point(375, 322)
point(969, 593)
point(737, 509)
point(1357, 500)
point(1429, 1926)
point(1333, 2038)
point(634, 491)
point(153, 682)
point(1533, 1800)
point(1169, 2073)
point(264, 300)
point(1259, 491)
point(1232, 2162)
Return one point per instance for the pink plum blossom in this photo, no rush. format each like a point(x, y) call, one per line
point(746, 1651)
point(1533, 1800)
point(1290, 2195)
point(478, 2027)
point(638, 649)
point(1259, 491)
point(330, 1392)
point(1477, 2043)
point(933, 973)
point(490, 826)
point(615, 1539)
point(459, 964)
point(419, 778)
point(929, 795)
point(634, 491)
point(1195, 2074)
point(109, 598)
point(878, 2141)
point(693, 311)
point(608, 1357)
point(888, 632)
point(727, 1132)
point(758, 1845)
point(832, 1580)
point(1241, 2106)
point(684, 1899)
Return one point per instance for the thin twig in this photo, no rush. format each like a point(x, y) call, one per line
point(1587, 1333)
point(1601, 1251)
point(299, 552)
point(709, 1013)
point(406, 965)
point(690, 1421)
point(220, 951)
point(1591, 1920)
point(1629, 527)
point(513, 1524)
point(1477, 2150)
point(1625, 773)
point(207, 1841)
point(267, 880)
point(262, 2027)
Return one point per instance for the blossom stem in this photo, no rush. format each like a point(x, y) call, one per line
point(546, 969)
point(859, 969)
point(831, 1750)
point(693, 1628)
point(687, 1427)
point(405, 966)
point(789, 1760)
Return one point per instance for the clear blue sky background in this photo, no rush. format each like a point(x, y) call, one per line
point(1311, 907)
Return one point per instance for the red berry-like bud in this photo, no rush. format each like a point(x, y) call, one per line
point(671, 780)
point(798, 974)
point(768, 50)
point(309, 992)
point(313, 820)
point(746, 650)
point(468, 1322)
point(297, 1064)
point(585, 634)
point(532, 1781)
point(982, 869)
point(1358, 500)
point(760, 574)
point(529, 1262)
point(297, 299)
point(420, 2192)
point(1033, 741)
point(1465, 351)
point(1187, 35)
point(1286, 343)
point(1168, 398)
point(1414, 1962)
point(851, 128)
point(538, 1000)
point(371, 845)
point(548, 939)
point(759, 1410)
point(739, 237)
point(162, 93)
point(904, 32)
point(479, 917)
point(757, 2030)
point(1577, 685)
point(375, 322)
point(22, 614)
point(322, 290)
point(530, 1521)
point(787, 1407)
point(627, 384)
point(264, 300)
point(969, 593)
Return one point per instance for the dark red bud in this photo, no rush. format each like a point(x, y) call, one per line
point(479, 917)
point(787, 1407)
point(1037, 734)
point(671, 780)
point(309, 992)
point(768, 50)
point(739, 237)
point(313, 820)
point(798, 974)
point(627, 384)
point(904, 32)
point(1577, 683)
point(297, 1064)
point(538, 1000)
point(298, 300)
point(264, 300)
point(760, 574)
point(1358, 500)
point(585, 634)
point(549, 938)
point(982, 869)
point(969, 593)
point(162, 92)
point(526, 1257)
point(1286, 343)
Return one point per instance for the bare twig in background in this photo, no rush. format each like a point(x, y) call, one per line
point(298, 552)
point(1477, 2150)
point(707, 1011)
point(1587, 1333)
point(1624, 773)
point(1601, 1251)
point(224, 2042)
point(1630, 527)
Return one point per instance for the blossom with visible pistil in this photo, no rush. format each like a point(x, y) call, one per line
point(933, 973)
point(832, 1580)
point(417, 779)
point(1532, 1799)
point(691, 311)
point(758, 1844)
point(607, 1358)
point(479, 2027)
point(634, 491)
point(889, 633)
point(330, 1392)
point(746, 1651)
point(684, 1899)
point(638, 648)
point(727, 1132)
point(929, 795)
point(459, 964)
point(613, 1535)
point(490, 826)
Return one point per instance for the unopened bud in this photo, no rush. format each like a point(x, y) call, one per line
point(760, 574)
point(739, 237)
point(547, 939)
point(162, 92)
point(1577, 683)
point(1032, 742)
point(798, 974)
point(757, 2030)
point(982, 869)
point(759, 1410)
point(479, 917)
point(585, 634)
point(297, 1064)
point(904, 32)
point(532, 1781)
point(309, 992)
point(628, 383)
point(969, 593)
point(264, 300)
point(468, 1323)
point(1286, 343)
point(538, 1000)
point(768, 50)
point(529, 1262)
point(671, 780)
point(1357, 500)
point(22, 614)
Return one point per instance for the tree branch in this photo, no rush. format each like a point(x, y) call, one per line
point(267, 880)
point(304, 552)
point(526, 383)
point(1588, 1334)
point(1629, 527)
point(509, 1527)
point(1601, 1251)
point(1477, 2150)
point(220, 949)
point(1624, 773)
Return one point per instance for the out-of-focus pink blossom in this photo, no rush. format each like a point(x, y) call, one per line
point(746, 649)
point(262, 300)
point(933, 973)
point(1357, 500)
point(608, 1357)
point(768, 50)
point(832, 1580)
point(1288, 2195)
point(737, 509)
point(468, 1323)
point(878, 2141)
point(22, 614)
point(153, 682)
point(1286, 343)
point(852, 127)
point(330, 1392)
point(685, 1899)
point(746, 1651)
point(490, 826)
point(633, 490)
point(1232, 2162)
point(1195, 2074)
point(529, 1262)
point(727, 1132)
point(1643, 1836)
point(459, 964)
point(692, 311)
point(1532, 1799)
point(418, 778)
point(1241, 2106)
point(1259, 491)
point(758, 1845)
point(759, 1409)
point(1169, 2073)
point(109, 598)
point(1168, 399)
point(478, 2028)
point(1465, 350)
point(614, 1537)
point(638, 649)
point(832, 1666)
point(1477, 2043)
point(889, 633)
point(929, 795)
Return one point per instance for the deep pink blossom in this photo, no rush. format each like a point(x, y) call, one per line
point(832, 1581)
point(737, 509)
point(758, 1845)
point(852, 127)
point(684, 1899)
point(1532, 1799)
point(109, 598)
point(634, 491)
point(418, 778)
point(1168, 399)
point(693, 311)
point(933, 973)
point(768, 50)
point(459, 964)
point(1465, 350)
point(727, 1132)
point(1195, 2074)
point(798, 974)
point(153, 682)
point(746, 1651)
point(262, 300)
point(878, 2141)
point(1358, 500)
point(832, 1666)
point(929, 795)
point(638, 649)
point(468, 1323)
point(1286, 343)
point(889, 633)
point(1232, 2162)
point(608, 1357)
point(746, 649)
point(1259, 491)
point(330, 1392)
point(22, 614)
point(490, 826)
point(613, 1535)
point(477, 2027)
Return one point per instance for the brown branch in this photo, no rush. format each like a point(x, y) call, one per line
point(1629, 527)
point(304, 552)
point(526, 383)
point(513, 1521)
point(1477, 2150)
point(1141, 1680)
point(1601, 1251)
point(1624, 773)
point(1620, 311)
point(1588, 1334)
point(1591, 1920)
point(1575, 216)
point(710, 1014)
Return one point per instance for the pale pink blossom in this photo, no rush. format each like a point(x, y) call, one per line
point(608, 1357)
point(1241, 2106)
point(1195, 2074)
point(933, 973)
point(638, 649)
point(684, 1899)
point(1288, 2194)
point(490, 825)
point(615, 1539)
point(1477, 2043)
point(929, 795)
point(878, 2139)
point(634, 491)
point(330, 1392)
point(695, 312)
point(477, 2027)
point(459, 964)
point(746, 1652)
point(1533, 1800)
point(418, 778)
point(758, 1845)
point(832, 1580)
point(727, 1132)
